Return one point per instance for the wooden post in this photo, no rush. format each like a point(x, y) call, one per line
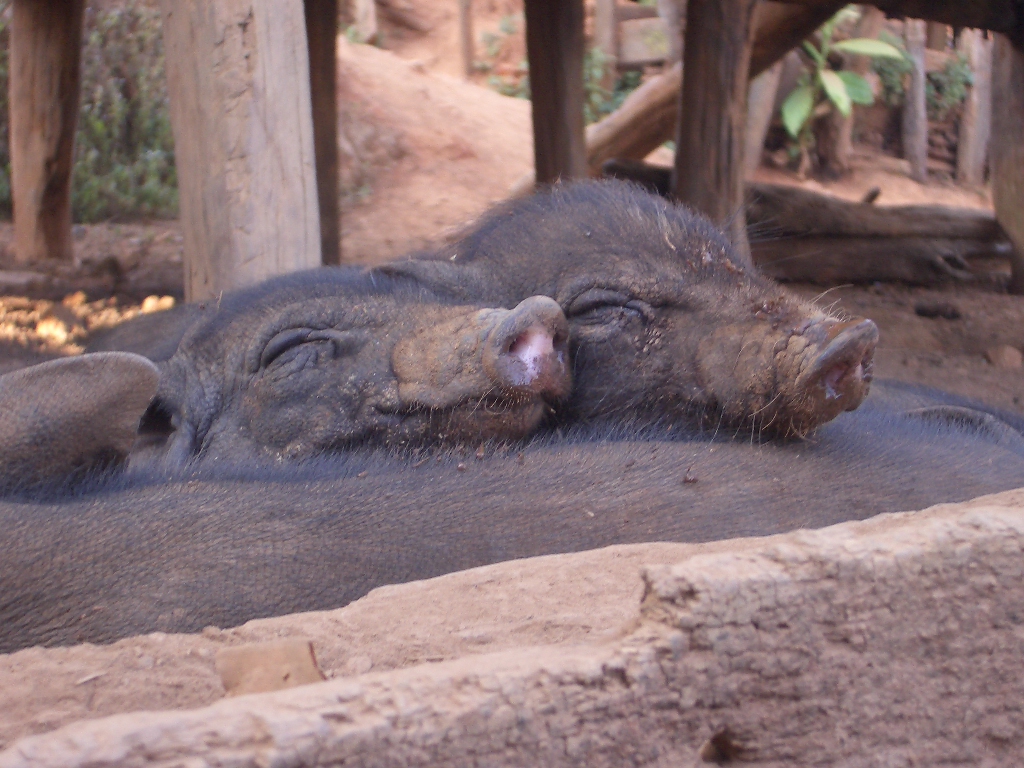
point(936, 36)
point(673, 12)
point(915, 114)
point(1007, 166)
point(466, 36)
point(322, 38)
point(46, 50)
point(760, 106)
point(238, 79)
point(554, 44)
point(712, 116)
point(871, 22)
point(606, 38)
point(976, 121)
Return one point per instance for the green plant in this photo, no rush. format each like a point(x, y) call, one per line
point(822, 88)
point(124, 152)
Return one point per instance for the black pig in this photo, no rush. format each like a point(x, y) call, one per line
point(294, 368)
point(664, 323)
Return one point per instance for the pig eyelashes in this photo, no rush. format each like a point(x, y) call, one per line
point(342, 342)
point(603, 305)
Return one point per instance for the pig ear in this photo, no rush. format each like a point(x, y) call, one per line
point(446, 276)
point(70, 415)
point(972, 420)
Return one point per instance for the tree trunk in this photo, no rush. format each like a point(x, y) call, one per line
point(871, 22)
point(760, 106)
point(915, 115)
point(1008, 150)
point(976, 121)
point(238, 79)
point(322, 37)
point(46, 50)
point(709, 148)
point(554, 44)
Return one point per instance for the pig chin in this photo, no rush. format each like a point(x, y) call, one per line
point(474, 421)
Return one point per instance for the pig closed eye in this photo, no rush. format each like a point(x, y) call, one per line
point(600, 306)
point(342, 342)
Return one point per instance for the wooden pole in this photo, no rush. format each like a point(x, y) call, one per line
point(554, 44)
point(605, 30)
point(760, 106)
point(1008, 150)
point(46, 50)
point(871, 22)
point(936, 36)
point(976, 121)
point(466, 36)
point(712, 116)
point(322, 39)
point(915, 115)
point(238, 79)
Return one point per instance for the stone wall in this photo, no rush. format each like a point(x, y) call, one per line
point(896, 641)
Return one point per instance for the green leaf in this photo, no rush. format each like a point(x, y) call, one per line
point(865, 46)
point(814, 53)
point(797, 108)
point(857, 87)
point(835, 89)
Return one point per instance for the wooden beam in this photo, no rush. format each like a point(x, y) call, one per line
point(554, 44)
point(712, 116)
point(915, 116)
point(976, 121)
point(46, 50)
point(1007, 164)
point(782, 27)
point(1005, 16)
point(322, 38)
point(238, 80)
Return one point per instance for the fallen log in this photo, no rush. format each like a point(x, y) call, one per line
point(784, 210)
point(801, 236)
point(922, 261)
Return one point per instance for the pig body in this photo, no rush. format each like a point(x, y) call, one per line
point(221, 544)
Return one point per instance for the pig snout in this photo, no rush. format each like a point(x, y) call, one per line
point(527, 352)
point(840, 374)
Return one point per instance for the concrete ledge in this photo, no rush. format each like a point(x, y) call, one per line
point(895, 641)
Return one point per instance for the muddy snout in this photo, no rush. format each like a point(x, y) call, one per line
point(839, 375)
point(527, 351)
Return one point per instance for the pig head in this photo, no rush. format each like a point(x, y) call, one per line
point(665, 324)
point(297, 373)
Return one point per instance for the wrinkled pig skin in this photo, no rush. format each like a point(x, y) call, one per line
point(665, 324)
point(292, 370)
point(226, 545)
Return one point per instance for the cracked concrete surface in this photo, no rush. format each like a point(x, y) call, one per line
point(895, 641)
